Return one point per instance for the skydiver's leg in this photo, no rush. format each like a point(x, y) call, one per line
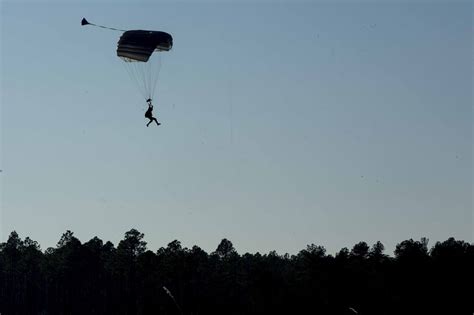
point(149, 122)
point(157, 123)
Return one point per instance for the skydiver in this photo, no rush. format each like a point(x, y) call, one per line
point(149, 114)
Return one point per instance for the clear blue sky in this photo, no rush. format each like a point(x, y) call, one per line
point(284, 124)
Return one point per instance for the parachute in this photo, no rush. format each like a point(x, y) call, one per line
point(141, 51)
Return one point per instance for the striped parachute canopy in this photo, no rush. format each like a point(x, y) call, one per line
point(139, 45)
point(141, 51)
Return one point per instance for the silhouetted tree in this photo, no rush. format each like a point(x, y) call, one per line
point(360, 250)
point(376, 252)
point(225, 249)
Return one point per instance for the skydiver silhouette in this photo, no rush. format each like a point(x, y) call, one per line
point(149, 114)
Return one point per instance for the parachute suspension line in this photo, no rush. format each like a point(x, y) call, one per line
point(144, 74)
point(137, 73)
point(151, 74)
point(133, 71)
point(155, 73)
point(85, 22)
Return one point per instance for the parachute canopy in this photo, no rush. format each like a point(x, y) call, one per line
point(138, 45)
point(136, 48)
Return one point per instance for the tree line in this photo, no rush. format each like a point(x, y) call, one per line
point(98, 278)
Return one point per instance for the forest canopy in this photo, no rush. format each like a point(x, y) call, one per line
point(97, 277)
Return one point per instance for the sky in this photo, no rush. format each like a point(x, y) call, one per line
point(284, 123)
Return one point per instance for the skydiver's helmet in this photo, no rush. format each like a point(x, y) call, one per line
point(148, 100)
